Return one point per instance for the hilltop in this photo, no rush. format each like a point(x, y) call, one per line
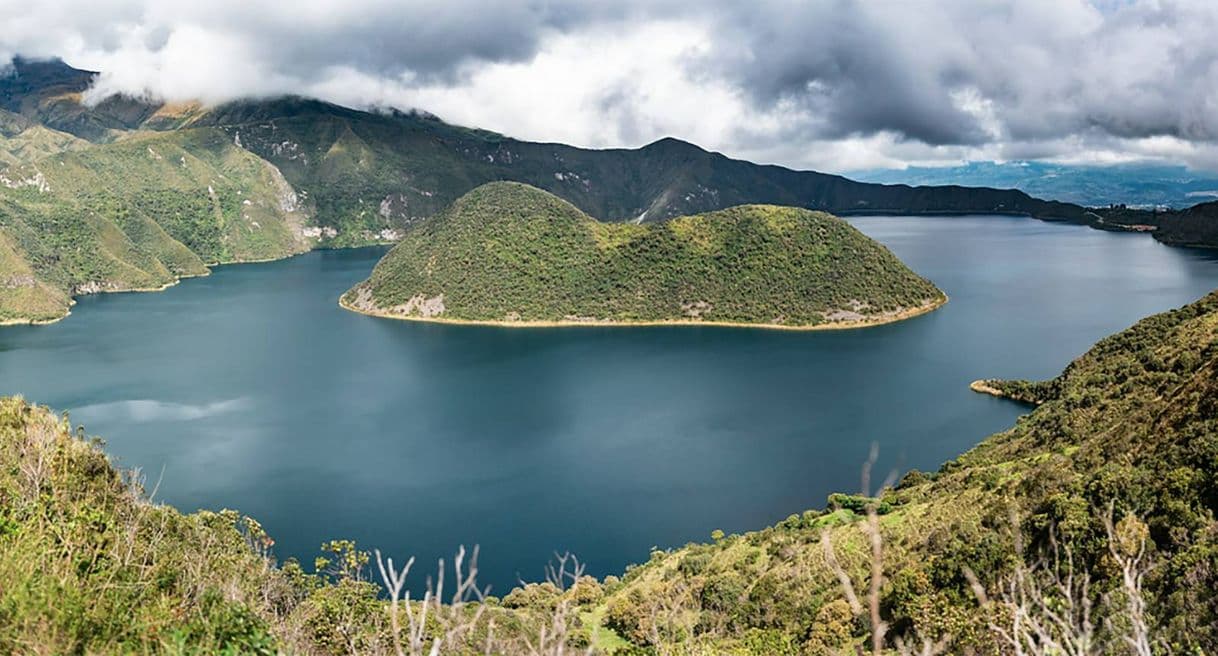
point(514, 254)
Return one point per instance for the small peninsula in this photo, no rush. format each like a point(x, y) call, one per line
point(510, 254)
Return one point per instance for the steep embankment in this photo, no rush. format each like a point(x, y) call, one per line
point(513, 254)
point(137, 214)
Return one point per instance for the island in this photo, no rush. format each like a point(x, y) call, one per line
point(510, 254)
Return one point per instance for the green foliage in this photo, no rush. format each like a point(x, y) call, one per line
point(859, 505)
point(89, 566)
point(345, 561)
point(509, 252)
point(537, 596)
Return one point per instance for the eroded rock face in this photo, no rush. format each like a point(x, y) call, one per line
point(422, 306)
point(861, 312)
point(419, 305)
point(696, 309)
point(18, 181)
point(93, 287)
point(17, 282)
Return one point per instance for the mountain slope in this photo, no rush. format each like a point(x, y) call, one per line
point(508, 252)
point(414, 165)
point(24, 141)
point(1130, 428)
point(1138, 185)
point(355, 178)
point(138, 213)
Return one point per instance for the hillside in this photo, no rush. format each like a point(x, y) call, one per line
point(510, 253)
point(1135, 185)
point(1093, 519)
point(1130, 428)
point(1195, 226)
point(405, 166)
point(383, 169)
point(90, 565)
point(135, 214)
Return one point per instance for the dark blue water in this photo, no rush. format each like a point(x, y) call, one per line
point(251, 389)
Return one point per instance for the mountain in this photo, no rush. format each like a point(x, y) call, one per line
point(321, 175)
point(1135, 185)
point(514, 254)
point(1091, 519)
point(138, 213)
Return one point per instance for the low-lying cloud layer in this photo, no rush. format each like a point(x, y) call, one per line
point(828, 84)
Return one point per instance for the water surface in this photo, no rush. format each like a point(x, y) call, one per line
point(251, 389)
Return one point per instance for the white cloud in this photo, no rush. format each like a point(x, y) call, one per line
point(830, 84)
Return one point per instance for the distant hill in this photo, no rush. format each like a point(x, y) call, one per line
point(1145, 186)
point(510, 253)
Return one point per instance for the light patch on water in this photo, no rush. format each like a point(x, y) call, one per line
point(149, 410)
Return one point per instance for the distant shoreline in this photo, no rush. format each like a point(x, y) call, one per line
point(838, 325)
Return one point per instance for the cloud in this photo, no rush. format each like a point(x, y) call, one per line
point(831, 84)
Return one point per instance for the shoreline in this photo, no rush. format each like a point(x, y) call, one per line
point(841, 325)
point(178, 278)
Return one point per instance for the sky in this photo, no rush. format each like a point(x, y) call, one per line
point(833, 85)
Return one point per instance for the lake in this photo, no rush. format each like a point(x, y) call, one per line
point(251, 389)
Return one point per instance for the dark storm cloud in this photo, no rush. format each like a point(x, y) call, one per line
point(838, 63)
point(946, 78)
point(1034, 69)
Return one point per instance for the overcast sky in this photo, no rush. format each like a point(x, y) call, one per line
point(832, 85)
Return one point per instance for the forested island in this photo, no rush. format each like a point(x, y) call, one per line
point(511, 254)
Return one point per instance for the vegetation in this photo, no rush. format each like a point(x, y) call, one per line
point(136, 214)
point(1087, 528)
point(89, 565)
point(510, 252)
